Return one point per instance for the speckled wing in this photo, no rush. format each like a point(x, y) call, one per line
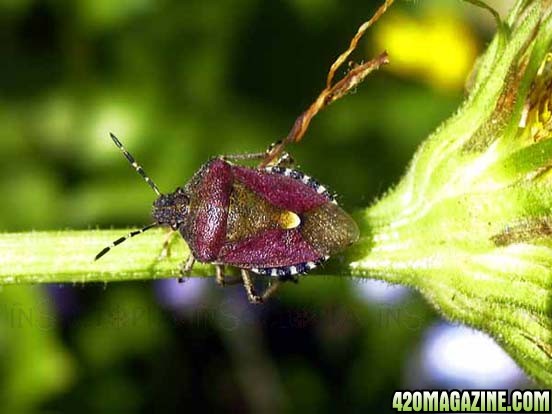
point(282, 222)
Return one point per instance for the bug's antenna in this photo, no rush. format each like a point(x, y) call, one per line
point(122, 239)
point(134, 164)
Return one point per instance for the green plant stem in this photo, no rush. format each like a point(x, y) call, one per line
point(483, 289)
point(68, 256)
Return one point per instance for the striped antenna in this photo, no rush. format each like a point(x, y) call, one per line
point(122, 239)
point(134, 164)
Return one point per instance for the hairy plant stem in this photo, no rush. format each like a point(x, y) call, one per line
point(68, 256)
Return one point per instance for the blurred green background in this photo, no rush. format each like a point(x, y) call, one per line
point(179, 82)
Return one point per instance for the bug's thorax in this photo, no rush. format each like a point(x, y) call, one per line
point(171, 209)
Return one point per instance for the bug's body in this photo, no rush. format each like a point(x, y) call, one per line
point(273, 221)
point(270, 220)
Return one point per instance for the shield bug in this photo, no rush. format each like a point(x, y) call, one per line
point(274, 220)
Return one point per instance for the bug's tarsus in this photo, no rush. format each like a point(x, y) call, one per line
point(224, 280)
point(134, 164)
point(122, 239)
point(252, 295)
point(271, 289)
point(249, 288)
point(219, 275)
point(186, 268)
point(166, 250)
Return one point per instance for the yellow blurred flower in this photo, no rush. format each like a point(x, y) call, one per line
point(438, 48)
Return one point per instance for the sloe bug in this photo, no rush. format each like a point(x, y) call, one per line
point(271, 220)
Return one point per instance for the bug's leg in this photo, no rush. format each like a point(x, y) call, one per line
point(222, 280)
point(244, 157)
point(186, 268)
point(249, 288)
point(166, 251)
point(254, 155)
point(284, 160)
point(219, 275)
point(269, 291)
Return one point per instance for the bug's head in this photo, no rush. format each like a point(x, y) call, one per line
point(171, 209)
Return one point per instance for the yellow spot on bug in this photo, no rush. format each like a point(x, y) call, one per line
point(289, 220)
point(438, 48)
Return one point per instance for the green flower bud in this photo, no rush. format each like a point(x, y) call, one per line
point(470, 224)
